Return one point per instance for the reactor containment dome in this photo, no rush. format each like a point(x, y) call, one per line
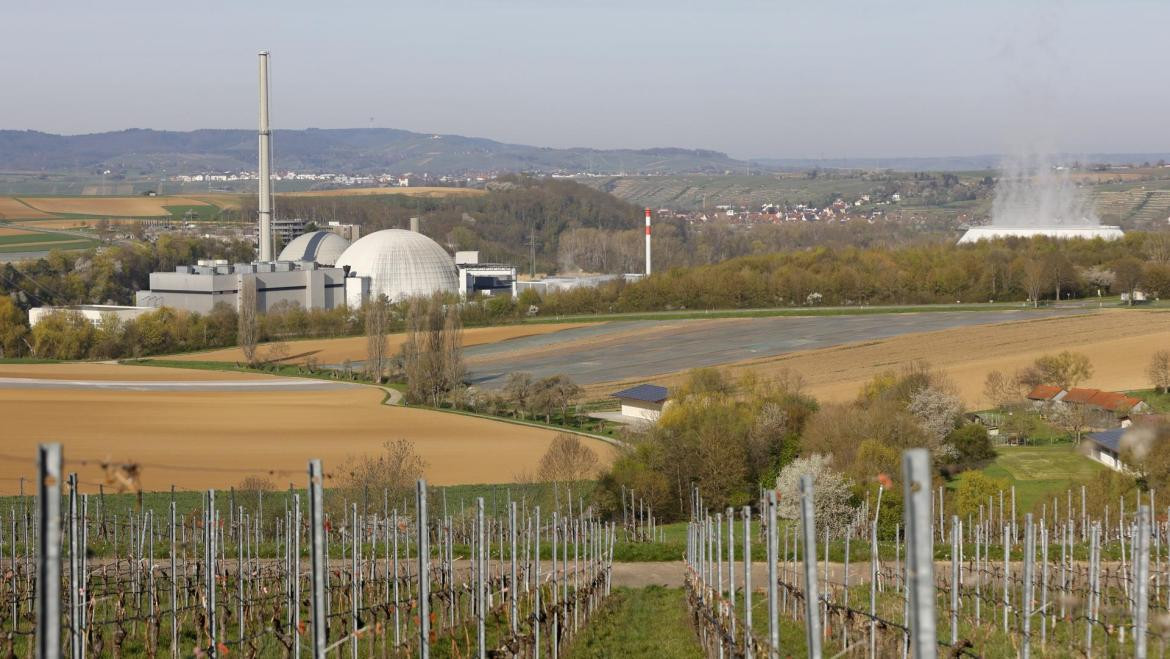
point(400, 264)
point(322, 247)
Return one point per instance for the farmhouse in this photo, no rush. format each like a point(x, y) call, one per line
point(1105, 447)
point(644, 401)
point(1106, 401)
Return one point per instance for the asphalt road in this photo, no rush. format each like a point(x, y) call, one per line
point(698, 343)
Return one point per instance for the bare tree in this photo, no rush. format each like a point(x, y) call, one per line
point(248, 326)
point(518, 389)
point(377, 326)
point(1127, 274)
point(1159, 370)
point(1065, 370)
point(1034, 274)
point(432, 355)
point(1002, 390)
point(567, 459)
point(393, 471)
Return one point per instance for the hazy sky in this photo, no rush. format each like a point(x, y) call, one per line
point(781, 78)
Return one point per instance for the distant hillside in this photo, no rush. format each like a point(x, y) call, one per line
point(351, 150)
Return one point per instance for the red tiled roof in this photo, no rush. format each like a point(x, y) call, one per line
point(1113, 401)
point(1078, 395)
point(1044, 392)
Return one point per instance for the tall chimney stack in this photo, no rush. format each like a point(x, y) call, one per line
point(414, 224)
point(647, 242)
point(265, 174)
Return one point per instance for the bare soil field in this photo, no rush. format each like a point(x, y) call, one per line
point(127, 206)
point(7, 231)
point(410, 192)
point(119, 372)
point(12, 209)
point(74, 223)
point(201, 440)
point(1119, 343)
point(335, 351)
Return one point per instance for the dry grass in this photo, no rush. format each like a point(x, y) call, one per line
point(12, 209)
point(1118, 342)
point(409, 192)
point(201, 440)
point(59, 224)
point(5, 231)
point(115, 206)
point(335, 351)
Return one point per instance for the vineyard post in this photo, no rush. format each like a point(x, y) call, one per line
point(209, 544)
point(773, 608)
point(1027, 605)
point(919, 550)
point(1142, 583)
point(424, 575)
point(296, 576)
point(955, 540)
point(812, 621)
point(730, 568)
point(174, 590)
point(317, 557)
point(536, 593)
point(74, 605)
point(747, 581)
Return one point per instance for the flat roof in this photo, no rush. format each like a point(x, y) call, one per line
point(647, 393)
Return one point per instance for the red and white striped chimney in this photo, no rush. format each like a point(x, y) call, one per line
point(647, 242)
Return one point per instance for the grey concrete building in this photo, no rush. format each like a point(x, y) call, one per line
point(200, 287)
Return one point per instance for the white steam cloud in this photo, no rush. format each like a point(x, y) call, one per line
point(1033, 192)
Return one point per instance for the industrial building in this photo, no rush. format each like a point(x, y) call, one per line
point(321, 247)
point(569, 282)
point(202, 286)
point(1087, 232)
point(483, 279)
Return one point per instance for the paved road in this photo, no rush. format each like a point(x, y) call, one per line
point(275, 384)
point(697, 343)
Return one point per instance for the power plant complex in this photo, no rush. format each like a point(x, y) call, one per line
point(322, 269)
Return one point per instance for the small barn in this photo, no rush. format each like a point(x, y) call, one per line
point(1105, 447)
point(644, 401)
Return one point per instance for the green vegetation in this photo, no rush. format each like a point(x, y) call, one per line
point(194, 212)
point(42, 245)
point(647, 622)
point(37, 237)
point(1040, 472)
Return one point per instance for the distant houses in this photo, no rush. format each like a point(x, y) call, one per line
point(1104, 401)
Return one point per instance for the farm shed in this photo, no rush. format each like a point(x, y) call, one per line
point(644, 401)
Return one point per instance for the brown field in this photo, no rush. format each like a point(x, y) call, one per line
point(106, 372)
point(1119, 343)
point(203, 439)
point(222, 200)
point(12, 209)
point(410, 192)
point(335, 351)
point(127, 206)
point(5, 231)
point(75, 223)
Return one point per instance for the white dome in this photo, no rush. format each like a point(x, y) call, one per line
point(400, 264)
point(324, 247)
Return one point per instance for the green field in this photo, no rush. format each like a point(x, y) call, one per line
point(1039, 472)
point(646, 622)
point(34, 238)
point(71, 243)
point(199, 213)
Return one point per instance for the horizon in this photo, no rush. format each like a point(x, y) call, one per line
point(752, 80)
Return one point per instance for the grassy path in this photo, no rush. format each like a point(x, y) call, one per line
point(645, 622)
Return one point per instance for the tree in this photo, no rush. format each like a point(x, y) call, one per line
point(1001, 390)
point(518, 389)
point(1159, 370)
point(1033, 274)
point(937, 411)
point(247, 324)
point(63, 335)
point(432, 355)
point(1127, 274)
point(392, 473)
point(567, 459)
point(974, 490)
point(1065, 370)
point(832, 492)
point(1074, 419)
point(13, 329)
point(377, 326)
point(970, 445)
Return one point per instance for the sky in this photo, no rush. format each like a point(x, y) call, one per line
point(753, 78)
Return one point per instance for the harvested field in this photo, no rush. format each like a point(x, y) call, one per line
point(1119, 343)
point(110, 206)
point(74, 223)
point(119, 372)
point(6, 231)
point(409, 192)
point(201, 440)
point(335, 351)
point(12, 209)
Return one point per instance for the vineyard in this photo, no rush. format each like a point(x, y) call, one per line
point(398, 581)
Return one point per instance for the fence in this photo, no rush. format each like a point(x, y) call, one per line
point(404, 582)
point(989, 585)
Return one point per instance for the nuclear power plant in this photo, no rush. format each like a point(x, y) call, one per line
point(322, 270)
